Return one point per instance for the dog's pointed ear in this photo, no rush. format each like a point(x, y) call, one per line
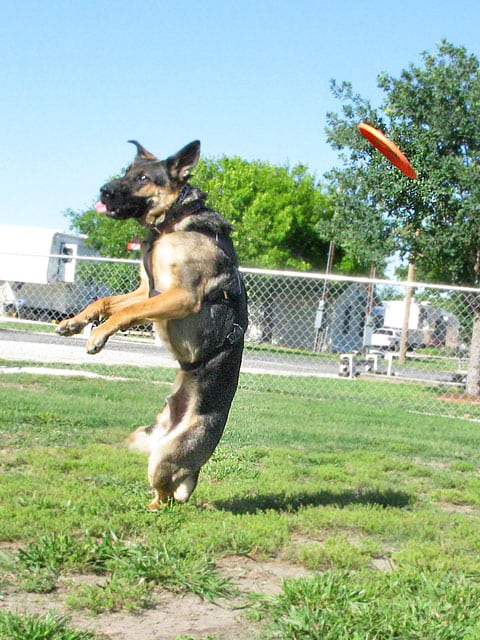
point(181, 164)
point(142, 152)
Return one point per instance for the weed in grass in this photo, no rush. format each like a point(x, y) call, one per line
point(38, 580)
point(337, 552)
point(345, 605)
point(463, 466)
point(115, 594)
point(441, 555)
point(63, 551)
point(52, 551)
point(173, 569)
point(212, 531)
point(458, 488)
point(134, 568)
point(16, 626)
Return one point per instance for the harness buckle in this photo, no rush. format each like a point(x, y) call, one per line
point(235, 334)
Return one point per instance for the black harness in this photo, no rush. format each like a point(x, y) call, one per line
point(229, 294)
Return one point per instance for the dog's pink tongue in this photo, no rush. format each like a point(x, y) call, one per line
point(100, 207)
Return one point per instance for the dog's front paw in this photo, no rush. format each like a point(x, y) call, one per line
point(70, 327)
point(96, 342)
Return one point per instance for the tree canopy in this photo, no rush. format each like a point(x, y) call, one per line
point(432, 112)
point(274, 210)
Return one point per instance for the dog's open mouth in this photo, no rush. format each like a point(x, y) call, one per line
point(135, 208)
point(100, 207)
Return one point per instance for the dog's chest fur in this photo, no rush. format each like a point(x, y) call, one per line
point(182, 259)
point(186, 260)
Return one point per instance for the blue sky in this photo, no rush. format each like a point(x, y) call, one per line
point(251, 78)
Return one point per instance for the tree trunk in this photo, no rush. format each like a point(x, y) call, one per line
point(402, 356)
point(473, 376)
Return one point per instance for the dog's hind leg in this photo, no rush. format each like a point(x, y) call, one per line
point(166, 442)
point(181, 493)
point(185, 489)
point(160, 501)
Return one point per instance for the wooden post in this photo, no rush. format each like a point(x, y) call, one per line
point(402, 356)
point(371, 289)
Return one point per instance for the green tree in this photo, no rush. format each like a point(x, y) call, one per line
point(274, 210)
point(360, 222)
point(433, 112)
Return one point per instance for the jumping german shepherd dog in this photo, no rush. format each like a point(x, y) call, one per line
point(192, 291)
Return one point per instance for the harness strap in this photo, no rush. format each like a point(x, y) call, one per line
point(147, 265)
point(189, 201)
point(235, 335)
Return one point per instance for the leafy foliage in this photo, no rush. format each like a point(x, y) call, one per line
point(433, 113)
point(274, 210)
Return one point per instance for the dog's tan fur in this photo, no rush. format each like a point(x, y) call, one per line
point(183, 267)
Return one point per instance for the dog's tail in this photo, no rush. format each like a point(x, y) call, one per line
point(141, 440)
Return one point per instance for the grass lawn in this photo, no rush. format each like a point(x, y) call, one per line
point(380, 507)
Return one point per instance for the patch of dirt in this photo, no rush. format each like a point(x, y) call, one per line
point(382, 564)
point(18, 385)
point(450, 507)
point(461, 398)
point(434, 464)
point(172, 615)
point(249, 575)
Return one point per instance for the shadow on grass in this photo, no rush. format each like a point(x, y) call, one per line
point(282, 502)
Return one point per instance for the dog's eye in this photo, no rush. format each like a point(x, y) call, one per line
point(142, 178)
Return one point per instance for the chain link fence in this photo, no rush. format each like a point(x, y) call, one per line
point(329, 338)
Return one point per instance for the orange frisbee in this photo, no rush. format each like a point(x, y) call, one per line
point(388, 148)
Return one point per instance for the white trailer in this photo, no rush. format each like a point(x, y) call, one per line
point(37, 271)
point(395, 313)
point(427, 324)
point(37, 255)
